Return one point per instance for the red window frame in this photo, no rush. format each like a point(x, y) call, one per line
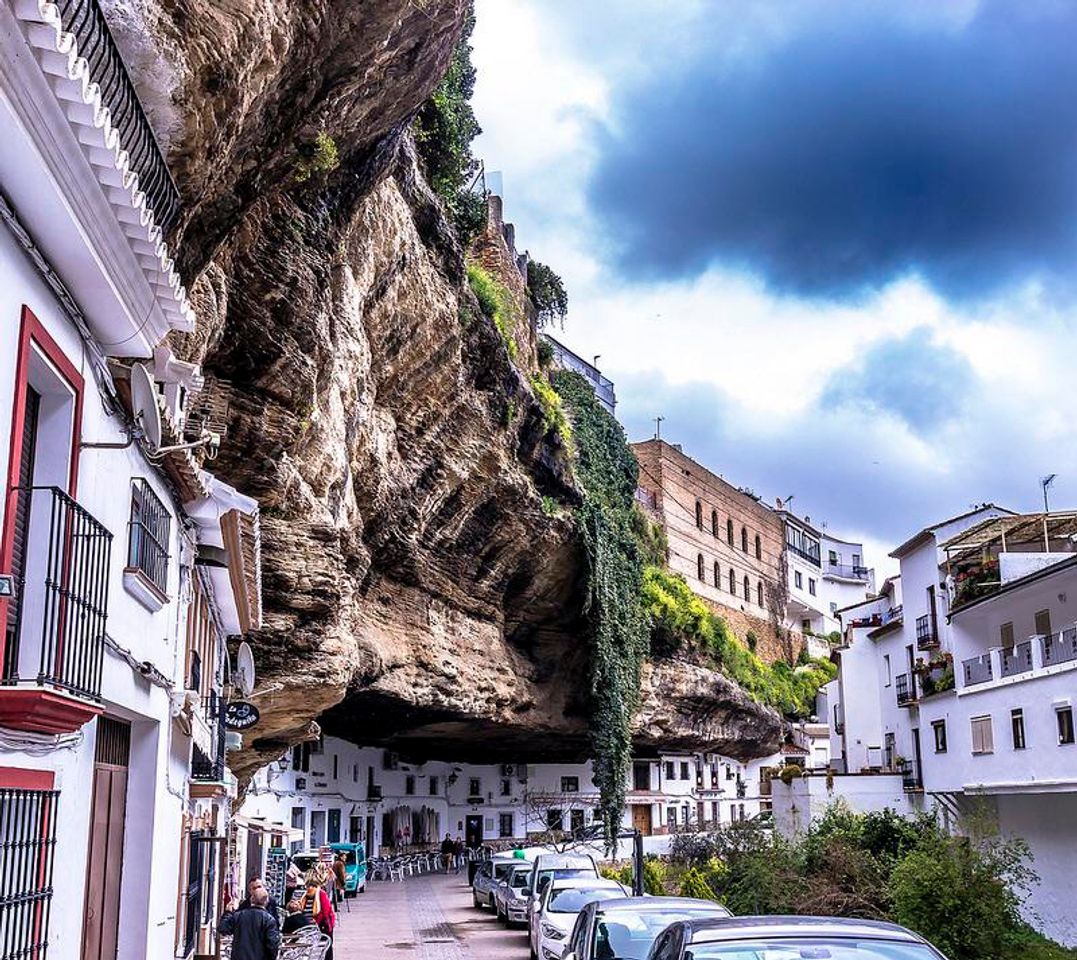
point(32, 334)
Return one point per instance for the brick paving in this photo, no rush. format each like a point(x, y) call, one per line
point(428, 917)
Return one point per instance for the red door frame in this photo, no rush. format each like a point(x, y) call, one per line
point(33, 334)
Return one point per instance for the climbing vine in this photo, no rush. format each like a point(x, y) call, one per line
point(608, 473)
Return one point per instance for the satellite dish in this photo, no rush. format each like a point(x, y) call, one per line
point(244, 675)
point(144, 402)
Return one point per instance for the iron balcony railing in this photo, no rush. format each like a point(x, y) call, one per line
point(905, 688)
point(894, 613)
point(910, 775)
point(1059, 647)
point(85, 21)
point(56, 636)
point(849, 571)
point(1017, 659)
point(927, 632)
point(806, 554)
point(210, 769)
point(27, 849)
point(977, 670)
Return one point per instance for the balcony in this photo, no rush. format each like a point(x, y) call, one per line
point(54, 643)
point(1059, 647)
point(209, 768)
point(1016, 659)
point(911, 780)
point(905, 690)
point(977, 670)
point(811, 557)
point(848, 571)
point(927, 632)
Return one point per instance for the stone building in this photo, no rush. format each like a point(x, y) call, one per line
point(725, 542)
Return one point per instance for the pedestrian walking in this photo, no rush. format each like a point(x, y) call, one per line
point(317, 906)
point(458, 853)
point(255, 933)
point(448, 851)
point(340, 877)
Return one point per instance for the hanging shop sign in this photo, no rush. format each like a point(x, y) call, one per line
point(240, 715)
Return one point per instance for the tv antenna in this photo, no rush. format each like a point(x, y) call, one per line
point(658, 427)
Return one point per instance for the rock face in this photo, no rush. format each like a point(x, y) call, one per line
point(416, 591)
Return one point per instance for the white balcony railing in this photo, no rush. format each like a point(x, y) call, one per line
point(1023, 661)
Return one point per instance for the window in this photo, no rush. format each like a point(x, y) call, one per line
point(699, 515)
point(409, 785)
point(301, 757)
point(148, 534)
point(474, 787)
point(505, 825)
point(684, 770)
point(671, 770)
point(732, 582)
point(833, 608)
point(983, 738)
point(553, 819)
point(570, 784)
point(798, 579)
point(856, 559)
point(196, 672)
point(28, 839)
point(575, 820)
point(641, 776)
point(1017, 728)
point(744, 539)
point(939, 729)
point(747, 588)
point(833, 557)
point(717, 575)
point(758, 547)
point(671, 816)
point(759, 592)
point(729, 531)
point(1064, 717)
point(297, 818)
point(685, 814)
point(433, 786)
point(317, 747)
point(506, 788)
point(805, 626)
point(355, 773)
point(886, 669)
point(700, 568)
point(714, 523)
point(1006, 635)
point(336, 767)
point(811, 585)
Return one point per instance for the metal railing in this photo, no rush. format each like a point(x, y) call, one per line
point(850, 571)
point(927, 632)
point(1017, 659)
point(64, 588)
point(910, 775)
point(905, 689)
point(894, 613)
point(27, 849)
point(1059, 647)
point(210, 769)
point(977, 670)
point(147, 546)
point(800, 552)
point(84, 19)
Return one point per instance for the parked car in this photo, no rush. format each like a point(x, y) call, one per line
point(559, 904)
point(354, 866)
point(510, 895)
point(489, 874)
point(547, 867)
point(626, 928)
point(740, 938)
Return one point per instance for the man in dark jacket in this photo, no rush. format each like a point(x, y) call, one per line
point(271, 904)
point(255, 934)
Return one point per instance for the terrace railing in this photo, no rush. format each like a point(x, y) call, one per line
point(849, 571)
point(56, 636)
point(905, 689)
point(1059, 647)
point(1017, 659)
point(86, 22)
point(977, 670)
point(927, 632)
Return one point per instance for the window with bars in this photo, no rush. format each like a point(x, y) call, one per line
point(150, 525)
point(27, 847)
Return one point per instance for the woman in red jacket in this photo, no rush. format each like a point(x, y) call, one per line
point(319, 907)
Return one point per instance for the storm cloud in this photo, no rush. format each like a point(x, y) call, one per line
point(853, 150)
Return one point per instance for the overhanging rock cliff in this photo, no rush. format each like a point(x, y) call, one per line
point(416, 591)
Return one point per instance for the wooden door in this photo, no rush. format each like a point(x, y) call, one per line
point(101, 915)
point(641, 818)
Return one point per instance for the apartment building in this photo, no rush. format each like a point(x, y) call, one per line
point(124, 565)
point(566, 359)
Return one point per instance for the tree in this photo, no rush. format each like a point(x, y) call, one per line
point(546, 812)
point(547, 292)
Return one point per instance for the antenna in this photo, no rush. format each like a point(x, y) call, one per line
point(144, 403)
point(244, 675)
point(658, 427)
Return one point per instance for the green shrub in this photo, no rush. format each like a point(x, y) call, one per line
point(654, 877)
point(320, 156)
point(547, 293)
point(495, 302)
point(553, 411)
point(545, 352)
point(694, 885)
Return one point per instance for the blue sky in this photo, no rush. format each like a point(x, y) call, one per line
point(833, 244)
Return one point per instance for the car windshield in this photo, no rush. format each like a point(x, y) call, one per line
point(810, 948)
point(574, 899)
point(501, 870)
point(628, 936)
point(519, 878)
point(562, 873)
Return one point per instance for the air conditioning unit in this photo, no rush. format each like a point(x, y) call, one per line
point(508, 770)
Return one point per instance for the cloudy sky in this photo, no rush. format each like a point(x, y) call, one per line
point(833, 244)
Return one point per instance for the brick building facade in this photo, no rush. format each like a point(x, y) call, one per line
point(722, 540)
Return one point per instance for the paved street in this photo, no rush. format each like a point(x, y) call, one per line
point(428, 917)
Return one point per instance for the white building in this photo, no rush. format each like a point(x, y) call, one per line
point(120, 577)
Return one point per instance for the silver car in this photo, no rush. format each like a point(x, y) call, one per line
point(790, 938)
point(489, 874)
point(626, 928)
point(511, 898)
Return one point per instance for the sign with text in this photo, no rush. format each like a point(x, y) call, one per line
point(240, 715)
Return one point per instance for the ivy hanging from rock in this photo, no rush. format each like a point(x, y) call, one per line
point(608, 473)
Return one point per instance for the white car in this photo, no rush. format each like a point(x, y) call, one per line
point(511, 897)
point(549, 867)
point(489, 874)
point(561, 903)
